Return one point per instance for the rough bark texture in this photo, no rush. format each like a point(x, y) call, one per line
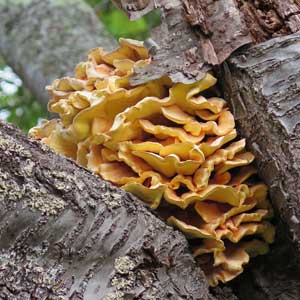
point(65, 233)
point(270, 18)
point(44, 40)
point(262, 86)
point(272, 277)
point(217, 29)
point(97, 240)
point(184, 52)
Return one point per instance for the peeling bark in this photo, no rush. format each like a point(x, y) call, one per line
point(65, 234)
point(184, 52)
point(44, 40)
point(197, 35)
point(270, 18)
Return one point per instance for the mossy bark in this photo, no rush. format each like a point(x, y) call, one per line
point(44, 40)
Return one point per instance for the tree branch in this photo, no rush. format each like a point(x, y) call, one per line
point(196, 35)
point(64, 232)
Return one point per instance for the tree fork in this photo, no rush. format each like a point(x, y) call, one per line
point(260, 83)
point(262, 111)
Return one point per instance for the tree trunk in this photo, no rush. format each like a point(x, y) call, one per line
point(44, 40)
point(262, 86)
point(65, 233)
point(111, 244)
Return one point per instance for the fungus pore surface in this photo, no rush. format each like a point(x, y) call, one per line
point(174, 146)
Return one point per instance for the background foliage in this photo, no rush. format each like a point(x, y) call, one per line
point(118, 24)
point(18, 106)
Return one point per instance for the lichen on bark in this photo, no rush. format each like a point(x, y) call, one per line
point(102, 243)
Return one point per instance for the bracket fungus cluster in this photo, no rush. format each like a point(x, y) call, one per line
point(172, 145)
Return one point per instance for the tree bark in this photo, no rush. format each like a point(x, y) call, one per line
point(197, 35)
point(65, 233)
point(262, 86)
point(44, 40)
point(93, 229)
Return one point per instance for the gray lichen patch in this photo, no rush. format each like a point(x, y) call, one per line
point(17, 183)
point(115, 200)
point(10, 190)
point(41, 281)
point(124, 283)
point(124, 264)
point(7, 145)
point(111, 199)
point(62, 180)
point(118, 295)
point(28, 167)
point(40, 199)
